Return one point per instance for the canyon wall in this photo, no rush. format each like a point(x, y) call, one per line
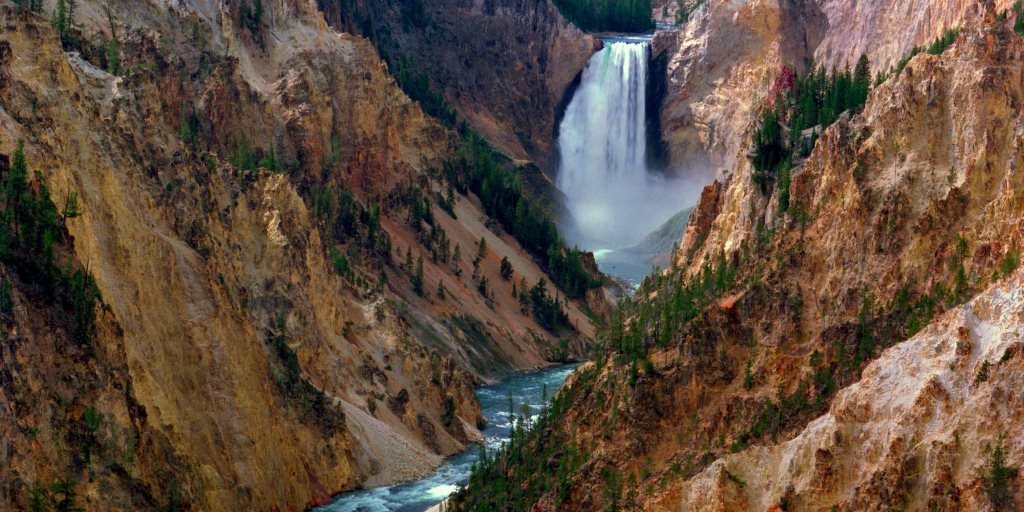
point(244, 185)
point(507, 66)
point(724, 60)
point(918, 194)
point(918, 431)
point(886, 30)
point(822, 353)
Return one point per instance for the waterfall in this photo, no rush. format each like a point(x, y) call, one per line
point(612, 198)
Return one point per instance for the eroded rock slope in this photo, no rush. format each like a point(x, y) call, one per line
point(250, 188)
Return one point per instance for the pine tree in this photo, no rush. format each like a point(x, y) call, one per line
point(769, 147)
point(63, 20)
point(71, 209)
point(113, 50)
point(456, 261)
point(1018, 22)
point(251, 17)
point(524, 299)
point(861, 83)
point(35, 6)
point(998, 479)
point(506, 268)
point(481, 249)
point(417, 278)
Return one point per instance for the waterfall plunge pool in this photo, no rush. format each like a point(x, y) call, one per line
point(419, 495)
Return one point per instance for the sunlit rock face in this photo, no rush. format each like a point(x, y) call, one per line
point(221, 287)
point(886, 30)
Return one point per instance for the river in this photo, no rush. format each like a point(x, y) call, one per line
point(417, 496)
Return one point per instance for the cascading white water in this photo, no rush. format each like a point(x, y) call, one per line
point(613, 199)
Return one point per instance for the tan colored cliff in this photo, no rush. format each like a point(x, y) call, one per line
point(916, 432)
point(207, 272)
point(886, 30)
point(720, 65)
point(889, 194)
point(723, 61)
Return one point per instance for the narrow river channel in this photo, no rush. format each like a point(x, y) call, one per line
point(417, 496)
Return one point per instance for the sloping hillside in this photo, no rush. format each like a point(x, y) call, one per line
point(293, 301)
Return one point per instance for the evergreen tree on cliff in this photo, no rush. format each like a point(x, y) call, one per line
point(861, 83)
point(63, 19)
point(608, 15)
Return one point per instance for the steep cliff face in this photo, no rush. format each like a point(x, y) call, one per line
point(886, 30)
point(914, 203)
point(723, 61)
point(505, 65)
point(260, 345)
point(917, 432)
point(902, 212)
point(721, 64)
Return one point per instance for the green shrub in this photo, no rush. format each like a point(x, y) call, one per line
point(417, 278)
point(6, 298)
point(64, 496)
point(189, 128)
point(251, 17)
point(347, 222)
point(35, 6)
point(944, 41)
point(414, 14)
point(937, 46)
point(91, 420)
point(1009, 264)
point(808, 100)
point(417, 86)
point(478, 169)
point(37, 498)
point(546, 310)
point(785, 174)
point(340, 263)
point(983, 372)
point(315, 407)
point(63, 20)
point(506, 268)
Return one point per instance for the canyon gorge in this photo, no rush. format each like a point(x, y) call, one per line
point(340, 255)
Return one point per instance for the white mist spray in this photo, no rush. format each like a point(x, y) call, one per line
point(613, 199)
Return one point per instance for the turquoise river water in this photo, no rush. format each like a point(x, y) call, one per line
point(417, 496)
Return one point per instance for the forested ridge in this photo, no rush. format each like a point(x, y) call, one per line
point(805, 104)
point(608, 15)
